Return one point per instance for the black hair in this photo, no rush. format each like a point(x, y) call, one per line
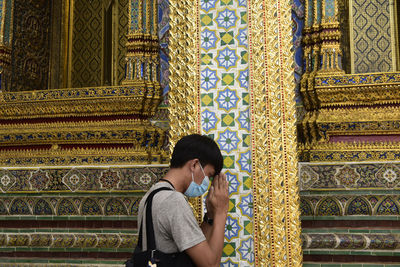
point(196, 146)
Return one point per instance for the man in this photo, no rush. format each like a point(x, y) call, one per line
point(195, 158)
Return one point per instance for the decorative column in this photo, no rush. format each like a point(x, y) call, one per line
point(142, 58)
point(330, 36)
point(6, 22)
point(322, 55)
point(231, 78)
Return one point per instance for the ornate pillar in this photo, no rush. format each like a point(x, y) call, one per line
point(142, 58)
point(330, 36)
point(6, 22)
point(322, 55)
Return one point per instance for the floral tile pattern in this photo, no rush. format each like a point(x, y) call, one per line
point(225, 103)
point(350, 176)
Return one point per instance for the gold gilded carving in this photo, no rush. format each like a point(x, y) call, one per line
point(276, 196)
point(367, 114)
point(353, 124)
point(351, 151)
point(89, 142)
point(131, 132)
point(184, 98)
point(91, 101)
point(73, 157)
point(184, 109)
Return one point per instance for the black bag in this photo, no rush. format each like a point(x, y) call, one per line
point(152, 256)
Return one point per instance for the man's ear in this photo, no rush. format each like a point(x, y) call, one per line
point(192, 164)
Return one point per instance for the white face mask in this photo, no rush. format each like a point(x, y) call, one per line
point(196, 190)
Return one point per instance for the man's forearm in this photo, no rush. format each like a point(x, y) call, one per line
point(207, 229)
point(215, 234)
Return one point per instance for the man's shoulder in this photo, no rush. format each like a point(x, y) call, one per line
point(169, 195)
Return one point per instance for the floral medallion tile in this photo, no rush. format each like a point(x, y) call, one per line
point(7, 180)
point(39, 180)
point(110, 179)
point(347, 176)
point(74, 179)
point(389, 174)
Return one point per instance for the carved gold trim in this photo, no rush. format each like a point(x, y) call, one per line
point(184, 106)
point(90, 101)
point(72, 157)
point(351, 152)
point(184, 95)
point(134, 134)
point(274, 165)
point(367, 114)
point(358, 89)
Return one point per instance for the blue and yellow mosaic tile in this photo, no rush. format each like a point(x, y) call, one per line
point(224, 82)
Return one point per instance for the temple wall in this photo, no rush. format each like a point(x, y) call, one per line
point(349, 136)
point(31, 46)
point(372, 32)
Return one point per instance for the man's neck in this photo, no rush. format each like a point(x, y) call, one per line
point(177, 177)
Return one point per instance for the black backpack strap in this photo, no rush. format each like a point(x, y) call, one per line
point(151, 242)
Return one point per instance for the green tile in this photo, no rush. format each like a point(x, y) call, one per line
point(311, 265)
point(337, 252)
point(124, 250)
point(330, 265)
point(320, 230)
point(40, 249)
point(74, 249)
point(359, 231)
point(44, 217)
point(351, 265)
point(384, 253)
point(7, 249)
point(206, 58)
point(109, 249)
point(227, 38)
point(91, 249)
point(320, 252)
point(59, 218)
point(360, 252)
point(228, 119)
point(229, 249)
point(57, 249)
point(7, 260)
point(380, 231)
point(23, 249)
point(228, 79)
point(207, 100)
point(56, 261)
point(206, 19)
point(373, 265)
point(45, 230)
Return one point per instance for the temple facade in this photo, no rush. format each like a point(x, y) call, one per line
point(301, 96)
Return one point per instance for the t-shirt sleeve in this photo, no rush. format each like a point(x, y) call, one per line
point(181, 223)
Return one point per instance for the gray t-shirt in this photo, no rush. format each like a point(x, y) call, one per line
point(175, 227)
